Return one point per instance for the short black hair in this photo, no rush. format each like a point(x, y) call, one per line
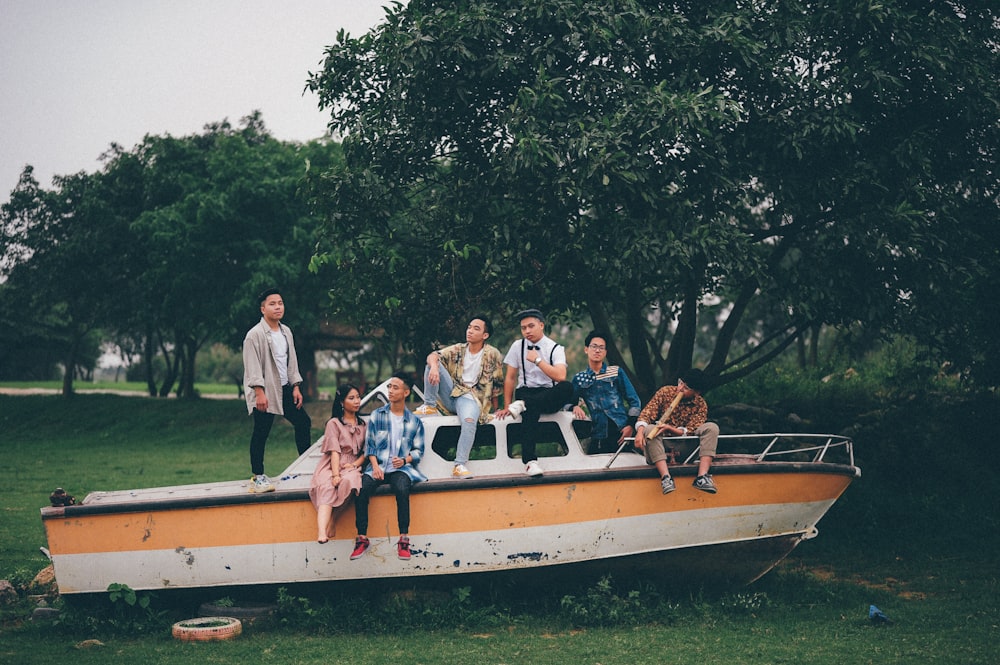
point(696, 380)
point(597, 333)
point(485, 320)
point(263, 295)
point(405, 377)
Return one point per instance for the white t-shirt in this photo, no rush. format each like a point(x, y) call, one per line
point(530, 376)
point(395, 440)
point(279, 347)
point(472, 367)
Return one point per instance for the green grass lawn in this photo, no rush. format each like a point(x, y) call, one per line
point(914, 536)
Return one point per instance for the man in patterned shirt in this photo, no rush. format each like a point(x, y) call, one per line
point(607, 392)
point(470, 385)
point(688, 418)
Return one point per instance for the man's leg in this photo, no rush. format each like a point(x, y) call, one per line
point(261, 428)
point(708, 441)
point(401, 483)
point(368, 487)
point(536, 402)
point(299, 419)
point(467, 409)
point(529, 422)
point(555, 398)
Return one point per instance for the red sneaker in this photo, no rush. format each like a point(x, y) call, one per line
point(361, 545)
point(403, 548)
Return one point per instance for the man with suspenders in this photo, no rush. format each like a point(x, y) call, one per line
point(535, 383)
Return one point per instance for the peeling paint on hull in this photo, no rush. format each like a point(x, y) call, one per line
point(589, 511)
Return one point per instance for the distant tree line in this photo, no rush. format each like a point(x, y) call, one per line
point(161, 251)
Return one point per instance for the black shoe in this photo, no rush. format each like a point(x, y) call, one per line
point(705, 484)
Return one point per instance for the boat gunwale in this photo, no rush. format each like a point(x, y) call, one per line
point(443, 485)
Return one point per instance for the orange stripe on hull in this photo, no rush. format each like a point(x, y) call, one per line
point(442, 512)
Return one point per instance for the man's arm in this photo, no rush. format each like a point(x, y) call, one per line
point(630, 396)
point(433, 368)
point(554, 372)
point(509, 385)
point(253, 371)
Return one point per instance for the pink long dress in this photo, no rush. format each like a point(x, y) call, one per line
point(348, 440)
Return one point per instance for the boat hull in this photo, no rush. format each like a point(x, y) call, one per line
point(604, 520)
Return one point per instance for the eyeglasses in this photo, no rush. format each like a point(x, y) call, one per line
point(598, 347)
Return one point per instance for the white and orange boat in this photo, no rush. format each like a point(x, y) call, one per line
point(602, 511)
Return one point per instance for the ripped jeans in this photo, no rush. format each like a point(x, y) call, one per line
point(464, 406)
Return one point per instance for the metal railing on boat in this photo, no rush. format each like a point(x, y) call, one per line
point(802, 443)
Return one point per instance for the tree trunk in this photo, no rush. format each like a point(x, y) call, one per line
point(307, 367)
point(69, 367)
point(147, 358)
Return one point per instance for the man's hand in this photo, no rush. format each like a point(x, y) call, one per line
point(433, 376)
point(627, 431)
point(261, 402)
point(297, 397)
point(640, 438)
point(578, 413)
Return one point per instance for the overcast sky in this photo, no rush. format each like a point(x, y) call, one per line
point(79, 75)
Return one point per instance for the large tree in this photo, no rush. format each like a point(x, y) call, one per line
point(636, 162)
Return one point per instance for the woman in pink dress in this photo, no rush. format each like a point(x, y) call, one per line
point(338, 472)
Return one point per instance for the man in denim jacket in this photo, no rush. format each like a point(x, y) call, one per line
point(610, 398)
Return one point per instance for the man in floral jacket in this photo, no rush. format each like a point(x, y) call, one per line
point(469, 385)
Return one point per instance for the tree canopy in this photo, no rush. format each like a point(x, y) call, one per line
point(771, 165)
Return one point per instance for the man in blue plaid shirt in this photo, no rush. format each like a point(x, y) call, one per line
point(610, 398)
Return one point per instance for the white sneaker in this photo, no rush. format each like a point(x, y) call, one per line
point(261, 484)
point(461, 472)
point(533, 468)
point(517, 407)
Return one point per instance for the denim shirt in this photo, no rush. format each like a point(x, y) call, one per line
point(606, 394)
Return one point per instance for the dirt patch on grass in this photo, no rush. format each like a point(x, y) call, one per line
point(891, 585)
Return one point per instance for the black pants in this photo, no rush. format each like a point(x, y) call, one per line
point(400, 484)
point(262, 422)
point(609, 444)
point(536, 402)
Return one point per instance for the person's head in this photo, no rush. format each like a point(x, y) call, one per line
point(532, 324)
point(272, 307)
point(399, 387)
point(693, 382)
point(347, 399)
point(479, 330)
point(596, 346)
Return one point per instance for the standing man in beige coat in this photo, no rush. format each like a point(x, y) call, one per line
point(271, 380)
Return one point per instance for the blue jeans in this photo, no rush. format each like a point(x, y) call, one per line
point(465, 407)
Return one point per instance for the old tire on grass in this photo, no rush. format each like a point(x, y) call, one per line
point(204, 629)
